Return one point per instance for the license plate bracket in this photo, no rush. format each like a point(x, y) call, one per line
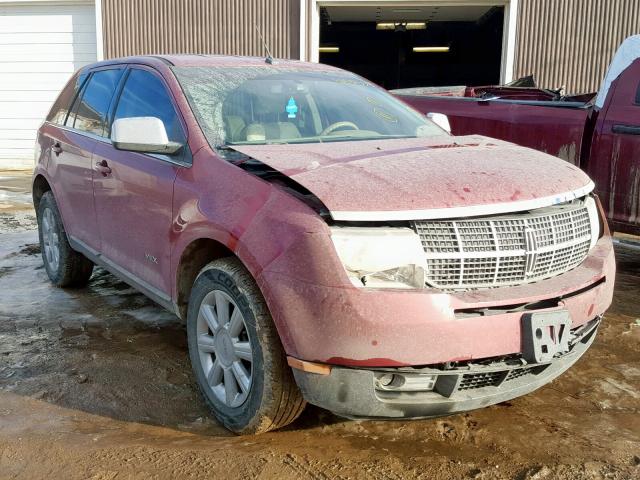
point(544, 335)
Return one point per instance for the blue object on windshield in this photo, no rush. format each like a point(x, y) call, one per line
point(291, 108)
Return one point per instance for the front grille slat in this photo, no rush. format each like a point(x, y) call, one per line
point(505, 250)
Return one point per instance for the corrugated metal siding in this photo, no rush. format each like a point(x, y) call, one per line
point(571, 42)
point(200, 26)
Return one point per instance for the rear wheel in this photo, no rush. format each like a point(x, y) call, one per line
point(236, 354)
point(65, 266)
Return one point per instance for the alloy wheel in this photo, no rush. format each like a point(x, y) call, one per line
point(50, 240)
point(224, 348)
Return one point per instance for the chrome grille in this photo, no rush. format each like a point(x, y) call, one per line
point(505, 250)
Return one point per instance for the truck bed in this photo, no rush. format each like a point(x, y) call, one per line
point(559, 125)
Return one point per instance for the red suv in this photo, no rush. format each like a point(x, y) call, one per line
point(323, 241)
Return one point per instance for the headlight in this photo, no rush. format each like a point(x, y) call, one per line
point(594, 220)
point(382, 257)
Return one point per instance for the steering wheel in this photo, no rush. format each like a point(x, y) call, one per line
point(335, 126)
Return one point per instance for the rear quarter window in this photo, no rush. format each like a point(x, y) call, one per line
point(60, 108)
point(638, 95)
point(91, 107)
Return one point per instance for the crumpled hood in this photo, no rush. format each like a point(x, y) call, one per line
point(424, 178)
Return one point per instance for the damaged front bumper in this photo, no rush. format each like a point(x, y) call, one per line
point(438, 390)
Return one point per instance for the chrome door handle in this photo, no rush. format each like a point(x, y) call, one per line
point(103, 167)
point(56, 148)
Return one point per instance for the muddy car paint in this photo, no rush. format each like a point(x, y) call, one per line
point(600, 135)
point(385, 180)
point(167, 210)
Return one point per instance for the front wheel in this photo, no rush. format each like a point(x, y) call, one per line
point(236, 354)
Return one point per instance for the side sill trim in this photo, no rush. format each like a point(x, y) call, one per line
point(150, 291)
point(460, 212)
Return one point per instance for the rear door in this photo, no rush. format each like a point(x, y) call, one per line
point(72, 143)
point(134, 191)
point(615, 156)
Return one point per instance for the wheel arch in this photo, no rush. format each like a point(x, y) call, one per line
point(193, 258)
point(39, 187)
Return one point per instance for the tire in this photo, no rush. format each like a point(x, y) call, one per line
point(219, 354)
point(65, 266)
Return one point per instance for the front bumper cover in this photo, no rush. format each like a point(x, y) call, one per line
point(324, 322)
point(357, 393)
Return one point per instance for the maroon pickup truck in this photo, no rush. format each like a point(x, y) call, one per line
point(599, 132)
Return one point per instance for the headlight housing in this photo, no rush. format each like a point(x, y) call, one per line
point(381, 257)
point(594, 220)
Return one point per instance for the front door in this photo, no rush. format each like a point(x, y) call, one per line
point(134, 191)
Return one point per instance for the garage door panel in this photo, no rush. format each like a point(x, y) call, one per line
point(40, 67)
point(18, 144)
point(47, 57)
point(63, 38)
point(25, 109)
point(41, 45)
point(20, 123)
point(38, 24)
point(41, 81)
point(13, 154)
point(6, 134)
point(33, 49)
point(35, 95)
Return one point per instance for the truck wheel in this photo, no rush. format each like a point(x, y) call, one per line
point(65, 266)
point(236, 354)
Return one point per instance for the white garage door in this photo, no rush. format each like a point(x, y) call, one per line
point(40, 47)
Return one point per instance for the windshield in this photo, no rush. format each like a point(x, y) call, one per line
point(263, 105)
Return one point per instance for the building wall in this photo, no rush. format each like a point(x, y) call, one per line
point(200, 26)
point(41, 45)
point(563, 42)
point(571, 42)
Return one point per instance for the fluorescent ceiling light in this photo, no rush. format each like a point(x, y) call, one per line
point(406, 10)
point(431, 49)
point(407, 25)
point(329, 49)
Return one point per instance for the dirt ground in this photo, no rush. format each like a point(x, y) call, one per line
point(95, 384)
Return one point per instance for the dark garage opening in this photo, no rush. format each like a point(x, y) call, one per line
point(350, 39)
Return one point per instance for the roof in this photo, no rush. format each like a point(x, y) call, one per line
point(198, 60)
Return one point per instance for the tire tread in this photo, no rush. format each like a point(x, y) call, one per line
point(75, 269)
point(282, 401)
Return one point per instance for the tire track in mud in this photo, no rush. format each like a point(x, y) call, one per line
point(303, 467)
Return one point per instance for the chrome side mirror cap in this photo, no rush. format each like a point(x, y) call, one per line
point(441, 120)
point(142, 134)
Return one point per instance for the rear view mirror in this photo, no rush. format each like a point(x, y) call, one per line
point(142, 134)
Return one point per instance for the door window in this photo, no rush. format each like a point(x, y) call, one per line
point(90, 110)
point(144, 95)
point(60, 109)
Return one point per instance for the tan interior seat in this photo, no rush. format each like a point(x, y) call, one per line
point(235, 127)
point(271, 131)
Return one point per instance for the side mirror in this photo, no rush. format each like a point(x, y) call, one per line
point(441, 120)
point(142, 134)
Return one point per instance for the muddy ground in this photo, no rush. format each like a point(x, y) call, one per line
point(95, 383)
